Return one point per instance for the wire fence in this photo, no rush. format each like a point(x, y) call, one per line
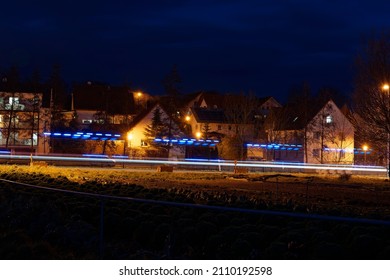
point(102, 198)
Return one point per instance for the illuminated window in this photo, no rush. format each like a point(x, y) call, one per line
point(144, 143)
point(329, 119)
point(86, 121)
point(14, 100)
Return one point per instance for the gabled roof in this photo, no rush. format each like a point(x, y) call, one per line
point(263, 100)
point(143, 114)
point(151, 108)
point(291, 118)
point(98, 97)
point(204, 115)
point(284, 118)
point(213, 100)
point(189, 99)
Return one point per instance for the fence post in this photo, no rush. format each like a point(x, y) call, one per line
point(307, 191)
point(101, 230)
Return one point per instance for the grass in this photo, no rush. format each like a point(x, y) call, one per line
point(113, 175)
point(81, 175)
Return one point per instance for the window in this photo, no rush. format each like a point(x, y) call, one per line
point(219, 127)
point(13, 103)
point(101, 121)
point(316, 152)
point(317, 135)
point(14, 100)
point(329, 119)
point(86, 121)
point(144, 143)
point(230, 127)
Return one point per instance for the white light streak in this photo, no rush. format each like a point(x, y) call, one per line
point(280, 165)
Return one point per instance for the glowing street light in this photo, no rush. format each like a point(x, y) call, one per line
point(138, 96)
point(198, 135)
point(128, 138)
point(365, 149)
point(188, 118)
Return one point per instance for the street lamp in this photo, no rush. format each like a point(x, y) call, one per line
point(139, 96)
point(198, 135)
point(365, 148)
point(386, 88)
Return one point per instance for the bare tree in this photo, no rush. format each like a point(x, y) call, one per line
point(239, 111)
point(371, 101)
point(283, 125)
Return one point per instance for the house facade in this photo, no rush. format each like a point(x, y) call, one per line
point(330, 137)
point(227, 115)
point(140, 137)
point(323, 136)
point(22, 122)
point(97, 103)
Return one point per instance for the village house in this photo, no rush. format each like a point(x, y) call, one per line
point(141, 135)
point(98, 103)
point(323, 135)
point(208, 115)
point(22, 122)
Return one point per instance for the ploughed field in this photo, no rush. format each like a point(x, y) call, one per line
point(43, 224)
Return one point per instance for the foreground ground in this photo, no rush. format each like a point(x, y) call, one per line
point(360, 196)
point(45, 224)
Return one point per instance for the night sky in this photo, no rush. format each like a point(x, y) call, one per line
point(230, 46)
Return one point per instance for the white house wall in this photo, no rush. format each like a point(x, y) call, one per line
point(335, 149)
point(138, 133)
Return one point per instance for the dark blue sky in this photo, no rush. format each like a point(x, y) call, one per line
point(230, 46)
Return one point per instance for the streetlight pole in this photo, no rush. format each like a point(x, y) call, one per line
point(365, 148)
point(386, 88)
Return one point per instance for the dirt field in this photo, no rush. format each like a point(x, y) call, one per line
point(331, 194)
point(145, 230)
point(361, 196)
